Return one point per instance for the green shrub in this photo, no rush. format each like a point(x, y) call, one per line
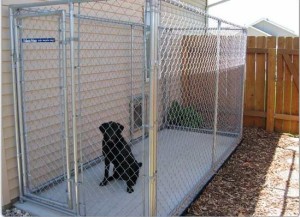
point(183, 116)
point(175, 114)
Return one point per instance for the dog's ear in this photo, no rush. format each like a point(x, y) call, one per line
point(103, 127)
point(120, 127)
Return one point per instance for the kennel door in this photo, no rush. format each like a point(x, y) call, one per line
point(41, 53)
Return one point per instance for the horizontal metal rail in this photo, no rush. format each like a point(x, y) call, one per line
point(203, 28)
point(46, 201)
point(105, 20)
point(40, 14)
point(199, 11)
point(56, 208)
point(201, 130)
point(51, 3)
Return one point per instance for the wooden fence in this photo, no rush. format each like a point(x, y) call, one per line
point(272, 84)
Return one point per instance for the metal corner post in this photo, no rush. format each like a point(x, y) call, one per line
point(144, 77)
point(82, 193)
point(243, 82)
point(216, 99)
point(66, 112)
point(154, 7)
point(74, 116)
point(18, 72)
point(131, 84)
point(17, 133)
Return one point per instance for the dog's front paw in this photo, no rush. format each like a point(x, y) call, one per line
point(130, 190)
point(103, 183)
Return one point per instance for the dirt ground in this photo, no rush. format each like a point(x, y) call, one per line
point(261, 178)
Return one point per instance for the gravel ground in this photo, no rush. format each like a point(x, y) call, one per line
point(15, 212)
point(261, 178)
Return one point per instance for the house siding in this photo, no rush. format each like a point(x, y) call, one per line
point(272, 29)
point(252, 31)
point(116, 91)
point(265, 27)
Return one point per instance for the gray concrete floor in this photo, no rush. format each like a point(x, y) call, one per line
point(184, 158)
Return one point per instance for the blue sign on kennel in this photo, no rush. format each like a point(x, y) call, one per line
point(37, 40)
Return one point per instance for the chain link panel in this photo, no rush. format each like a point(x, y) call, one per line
point(200, 79)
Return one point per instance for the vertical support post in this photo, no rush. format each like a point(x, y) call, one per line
point(271, 89)
point(154, 7)
point(144, 77)
point(22, 103)
point(66, 112)
point(61, 94)
point(131, 84)
point(80, 108)
point(17, 133)
point(74, 116)
point(244, 38)
point(216, 99)
point(19, 99)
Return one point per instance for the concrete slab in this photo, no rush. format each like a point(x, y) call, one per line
point(184, 159)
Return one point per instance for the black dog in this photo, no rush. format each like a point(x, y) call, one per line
point(116, 151)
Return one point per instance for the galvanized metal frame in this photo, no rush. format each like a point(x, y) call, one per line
point(61, 93)
point(82, 196)
point(41, 4)
point(39, 14)
point(66, 111)
point(74, 111)
point(15, 93)
point(150, 182)
point(216, 99)
point(19, 103)
point(146, 206)
point(49, 205)
point(243, 82)
point(153, 128)
point(18, 89)
point(131, 83)
point(22, 87)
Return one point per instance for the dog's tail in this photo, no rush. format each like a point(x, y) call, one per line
point(140, 164)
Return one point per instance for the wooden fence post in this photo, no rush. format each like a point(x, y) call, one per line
point(271, 89)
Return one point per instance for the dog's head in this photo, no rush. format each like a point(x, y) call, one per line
point(111, 131)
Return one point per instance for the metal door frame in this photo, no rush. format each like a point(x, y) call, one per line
point(17, 73)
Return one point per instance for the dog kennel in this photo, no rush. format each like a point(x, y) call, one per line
point(171, 74)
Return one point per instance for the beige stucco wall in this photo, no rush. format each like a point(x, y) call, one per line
point(116, 90)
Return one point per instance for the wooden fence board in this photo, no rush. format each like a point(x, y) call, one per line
point(293, 71)
point(260, 82)
point(279, 84)
point(286, 126)
point(249, 104)
point(282, 104)
point(284, 51)
point(295, 91)
point(271, 69)
point(287, 117)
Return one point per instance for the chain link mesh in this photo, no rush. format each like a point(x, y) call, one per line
point(202, 63)
point(42, 104)
point(200, 91)
point(111, 52)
